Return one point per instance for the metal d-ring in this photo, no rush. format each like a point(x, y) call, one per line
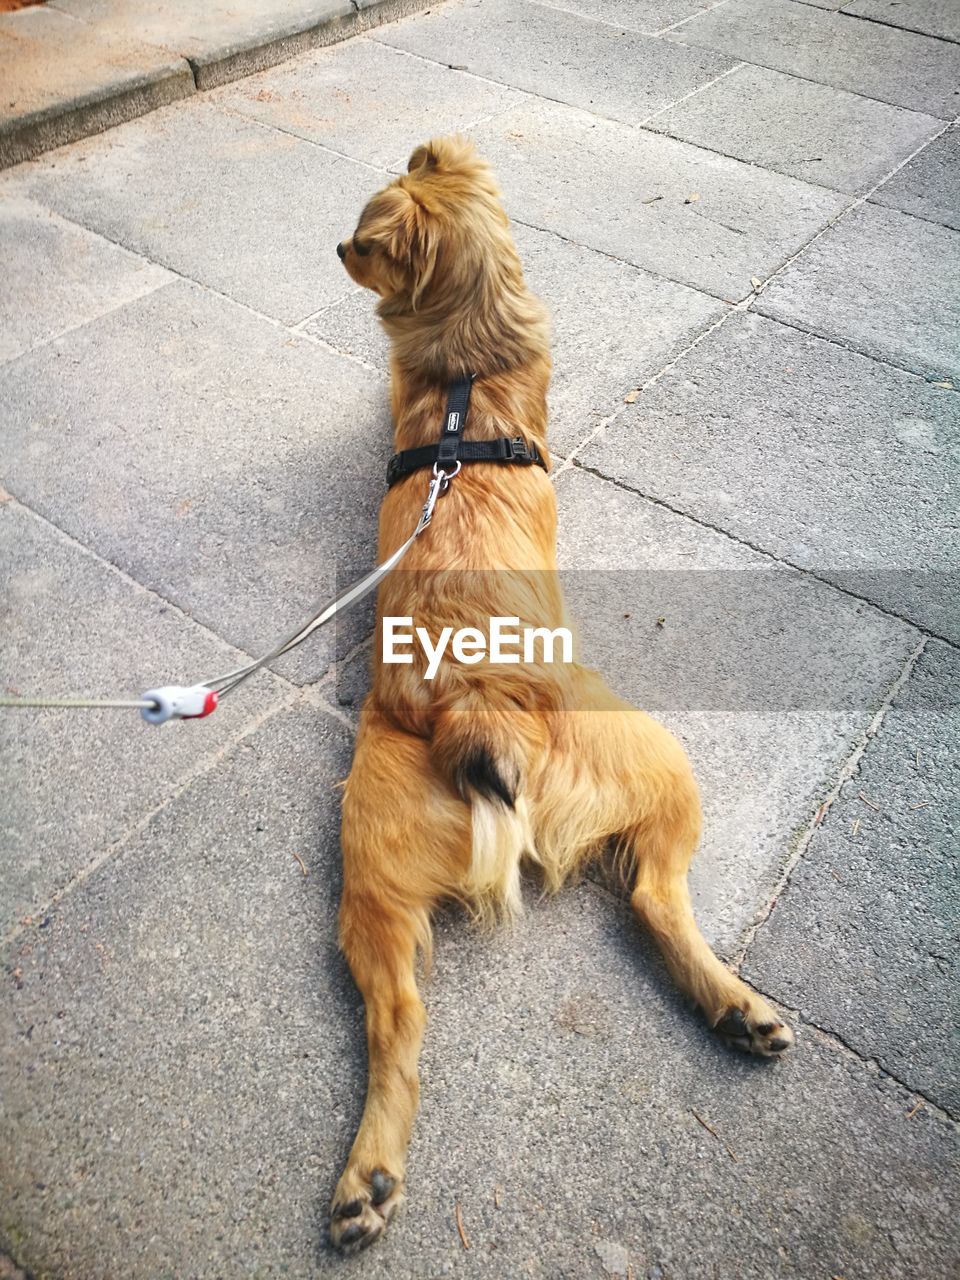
point(445, 476)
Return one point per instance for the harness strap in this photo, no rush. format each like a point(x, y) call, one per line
point(453, 448)
point(502, 449)
point(451, 437)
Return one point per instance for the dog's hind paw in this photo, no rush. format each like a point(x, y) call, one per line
point(755, 1030)
point(362, 1209)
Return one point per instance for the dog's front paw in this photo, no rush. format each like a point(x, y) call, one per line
point(755, 1029)
point(362, 1207)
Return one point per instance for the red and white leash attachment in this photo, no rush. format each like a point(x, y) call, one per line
point(174, 702)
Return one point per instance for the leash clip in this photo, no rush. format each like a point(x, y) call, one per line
point(176, 702)
point(438, 487)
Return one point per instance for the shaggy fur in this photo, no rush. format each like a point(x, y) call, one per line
point(459, 780)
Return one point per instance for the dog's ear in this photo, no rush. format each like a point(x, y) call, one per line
point(443, 154)
point(422, 157)
point(412, 241)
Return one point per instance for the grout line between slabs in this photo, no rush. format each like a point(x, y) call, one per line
point(764, 168)
point(873, 1065)
point(766, 66)
point(337, 668)
point(607, 253)
point(273, 127)
point(529, 93)
point(315, 695)
point(836, 1041)
point(847, 771)
point(300, 326)
point(642, 124)
point(293, 329)
point(297, 327)
point(117, 845)
point(101, 315)
point(668, 106)
point(746, 303)
point(139, 587)
point(879, 22)
point(618, 26)
point(689, 18)
point(919, 628)
point(572, 457)
point(831, 1038)
point(887, 362)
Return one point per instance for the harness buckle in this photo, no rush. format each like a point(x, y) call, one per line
point(519, 451)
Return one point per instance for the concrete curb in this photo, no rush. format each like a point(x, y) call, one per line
point(113, 99)
point(344, 18)
point(111, 104)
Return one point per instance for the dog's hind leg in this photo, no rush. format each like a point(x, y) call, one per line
point(616, 774)
point(406, 841)
point(660, 847)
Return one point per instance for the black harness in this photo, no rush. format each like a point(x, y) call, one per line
point(454, 450)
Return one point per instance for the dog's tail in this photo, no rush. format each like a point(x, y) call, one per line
point(485, 745)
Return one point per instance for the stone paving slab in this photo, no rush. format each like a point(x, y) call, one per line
point(220, 460)
point(877, 61)
point(63, 80)
point(768, 678)
point(222, 39)
point(248, 210)
point(931, 17)
point(613, 327)
point(213, 1061)
point(808, 451)
point(638, 15)
point(69, 276)
point(628, 194)
point(864, 938)
point(73, 782)
point(185, 1046)
point(810, 131)
point(617, 72)
point(929, 186)
point(883, 283)
point(583, 1080)
point(366, 100)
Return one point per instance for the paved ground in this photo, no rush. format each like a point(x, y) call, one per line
point(747, 213)
point(70, 68)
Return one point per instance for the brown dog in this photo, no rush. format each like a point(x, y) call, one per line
point(459, 779)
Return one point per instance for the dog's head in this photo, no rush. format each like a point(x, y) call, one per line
point(433, 236)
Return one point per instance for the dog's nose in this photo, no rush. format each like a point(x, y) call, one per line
point(341, 251)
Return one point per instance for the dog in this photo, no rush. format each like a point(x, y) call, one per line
point(459, 780)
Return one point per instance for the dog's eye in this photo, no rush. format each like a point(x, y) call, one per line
point(361, 250)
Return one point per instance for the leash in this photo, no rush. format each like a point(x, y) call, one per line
point(193, 702)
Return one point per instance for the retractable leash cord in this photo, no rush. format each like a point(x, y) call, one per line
point(193, 702)
point(196, 701)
